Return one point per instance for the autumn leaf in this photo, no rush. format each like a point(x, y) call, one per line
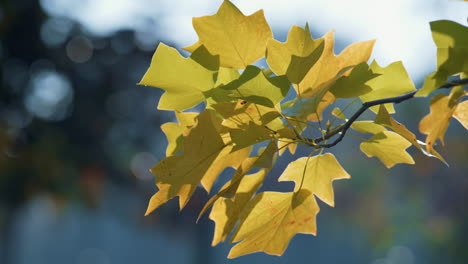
point(253, 134)
point(392, 81)
point(451, 40)
point(435, 124)
point(328, 67)
point(253, 86)
point(367, 127)
point(316, 175)
point(461, 113)
point(175, 131)
point(167, 67)
point(296, 56)
point(354, 84)
point(271, 219)
point(239, 40)
point(384, 118)
point(226, 211)
point(389, 147)
point(239, 114)
point(205, 156)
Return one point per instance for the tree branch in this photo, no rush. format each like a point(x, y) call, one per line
point(344, 128)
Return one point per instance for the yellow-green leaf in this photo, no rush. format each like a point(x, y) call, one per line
point(389, 147)
point(205, 156)
point(367, 127)
point(240, 114)
point(239, 40)
point(436, 122)
point(296, 56)
point(354, 84)
point(392, 81)
point(451, 40)
point(183, 79)
point(175, 131)
point(316, 175)
point(226, 211)
point(253, 134)
point(461, 113)
point(271, 219)
point(328, 67)
point(253, 86)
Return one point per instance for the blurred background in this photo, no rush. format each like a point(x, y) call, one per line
point(77, 137)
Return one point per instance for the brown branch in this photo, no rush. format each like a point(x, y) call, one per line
point(344, 128)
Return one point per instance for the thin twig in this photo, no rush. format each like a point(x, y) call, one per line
point(342, 129)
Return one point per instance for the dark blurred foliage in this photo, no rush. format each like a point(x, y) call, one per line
point(74, 126)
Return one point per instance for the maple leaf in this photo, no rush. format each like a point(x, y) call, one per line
point(167, 67)
point(226, 211)
point(175, 131)
point(451, 40)
point(384, 118)
point(271, 219)
point(435, 124)
point(239, 40)
point(296, 56)
point(315, 174)
point(253, 86)
point(330, 67)
point(239, 114)
point(461, 113)
point(389, 147)
point(392, 81)
point(367, 127)
point(205, 156)
point(354, 84)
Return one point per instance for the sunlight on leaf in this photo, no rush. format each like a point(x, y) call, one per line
point(239, 40)
point(389, 147)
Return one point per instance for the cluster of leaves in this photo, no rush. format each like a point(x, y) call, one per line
point(247, 122)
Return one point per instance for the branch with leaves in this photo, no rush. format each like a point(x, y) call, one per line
point(253, 115)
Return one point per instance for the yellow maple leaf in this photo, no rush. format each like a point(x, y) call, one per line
point(271, 219)
point(461, 113)
point(330, 67)
point(167, 67)
point(389, 147)
point(315, 174)
point(239, 40)
point(436, 122)
point(205, 156)
point(176, 131)
point(296, 56)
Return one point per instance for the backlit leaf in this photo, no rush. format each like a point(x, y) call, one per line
point(253, 86)
point(271, 219)
point(325, 72)
point(205, 156)
point(461, 113)
point(389, 147)
point(183, 79)
point(451, 40)
point(392, 81)
point(296, 56)
point(354, 84)
point(436, 122)
point(239, 40)
point(316, 174)
point(175, 131)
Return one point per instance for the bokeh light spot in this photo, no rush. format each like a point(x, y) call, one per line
point(79, 49)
